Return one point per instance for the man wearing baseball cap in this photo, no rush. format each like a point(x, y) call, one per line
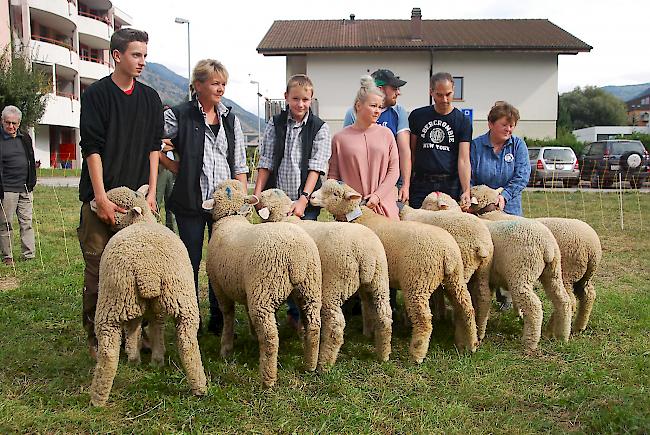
point(395, 118)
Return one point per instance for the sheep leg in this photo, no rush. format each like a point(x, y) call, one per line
point(227, 307)
point(465, 335)
point(108, 355)
point(157, 335)
point(586, 297)
point(481, 297)
point(367, 314)
point(187, 326)
point(132, 342)
point(251, 327)
point(267, 338)
point(551, 279)
point(333, 325)
point(309, 302)
point(419, 313)
point(383, 319)
point(527, 301)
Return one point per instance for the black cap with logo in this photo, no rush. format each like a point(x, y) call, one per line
point(385, 77)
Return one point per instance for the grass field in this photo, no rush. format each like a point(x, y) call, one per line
point(597, 382)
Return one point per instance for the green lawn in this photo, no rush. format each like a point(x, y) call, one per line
point(597, 382)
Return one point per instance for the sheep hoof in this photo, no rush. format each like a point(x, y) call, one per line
point(268, 384)
point(134, 360)
point(533, 352)
point(98, 403)
point(157, 362)
point(200, 393)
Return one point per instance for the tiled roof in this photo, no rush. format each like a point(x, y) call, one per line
point(304, 36)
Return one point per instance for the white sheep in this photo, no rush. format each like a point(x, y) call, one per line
point(352, 258)
point(476, 249)
point(144, 270)
point(579, 245)
point(260, 266)
point(420, 258)
point(525, 251)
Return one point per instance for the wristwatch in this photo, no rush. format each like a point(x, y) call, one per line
point(305, 194)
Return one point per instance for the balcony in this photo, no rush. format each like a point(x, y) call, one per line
point(94, 31)
point(61, 8)
point(93, 68)
point(52, 51)
point(62, 110)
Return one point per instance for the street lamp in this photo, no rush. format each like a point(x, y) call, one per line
point(189, 68)
point(259, 132)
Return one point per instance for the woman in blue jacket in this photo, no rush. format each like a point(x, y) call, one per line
point(500, 159)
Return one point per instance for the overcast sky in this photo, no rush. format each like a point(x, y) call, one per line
point(231, 30)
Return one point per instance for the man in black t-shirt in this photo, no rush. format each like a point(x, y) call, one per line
point(121, 129)
point(440, 143)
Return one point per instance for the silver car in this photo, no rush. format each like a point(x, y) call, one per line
point(550, 164)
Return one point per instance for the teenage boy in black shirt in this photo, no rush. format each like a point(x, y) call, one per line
point(440, 143)
point(121, 129)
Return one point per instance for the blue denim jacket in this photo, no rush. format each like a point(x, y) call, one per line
point(509, 169)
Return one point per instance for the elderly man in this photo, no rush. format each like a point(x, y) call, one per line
point(17, 181)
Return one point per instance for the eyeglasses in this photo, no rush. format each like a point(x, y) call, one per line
point(17, 123)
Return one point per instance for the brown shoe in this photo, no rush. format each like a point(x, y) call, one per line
point(8, 261)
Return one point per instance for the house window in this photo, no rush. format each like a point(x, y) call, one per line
point(459, 94)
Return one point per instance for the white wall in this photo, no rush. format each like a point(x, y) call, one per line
point(336, 79)
point(526, 80)
point(590, 134)
point(42, 145)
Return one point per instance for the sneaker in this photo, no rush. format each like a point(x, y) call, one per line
point(8, 261)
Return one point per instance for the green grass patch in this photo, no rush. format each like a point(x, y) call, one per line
point(597, 382)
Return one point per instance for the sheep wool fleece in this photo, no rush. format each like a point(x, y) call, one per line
point(260, 266)
point(352, 258)
point(420, 258)
point(144, 270)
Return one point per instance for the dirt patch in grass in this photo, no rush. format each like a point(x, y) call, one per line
point(8, 283)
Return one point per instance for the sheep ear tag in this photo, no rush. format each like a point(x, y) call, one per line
point(353, 214)
point(264, 213)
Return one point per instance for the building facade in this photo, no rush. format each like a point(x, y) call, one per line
point(512, 60)
point(638, 110)
point(69, 41)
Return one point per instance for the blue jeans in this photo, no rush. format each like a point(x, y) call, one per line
point(311, 214)
point(421, 188)
point(191, 230)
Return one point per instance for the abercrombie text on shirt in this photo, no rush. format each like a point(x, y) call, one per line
point(438, 136)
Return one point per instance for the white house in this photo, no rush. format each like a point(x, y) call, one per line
point(512, 60)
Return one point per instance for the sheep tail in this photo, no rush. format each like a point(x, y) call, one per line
point(148, 284)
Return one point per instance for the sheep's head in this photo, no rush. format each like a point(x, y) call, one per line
point(275, 205)
point(229, 199)
point(337, 197)
point(440, 201)
point(135, 204)
point(484, 199)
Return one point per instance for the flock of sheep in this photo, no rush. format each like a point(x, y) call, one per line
point(145, 272)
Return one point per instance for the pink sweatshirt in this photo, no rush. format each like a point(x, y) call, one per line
point(368, 162)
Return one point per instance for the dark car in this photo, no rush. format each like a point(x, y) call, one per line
point(604, 162)
point(553, 164)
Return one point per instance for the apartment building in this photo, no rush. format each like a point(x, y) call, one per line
point(69, 41)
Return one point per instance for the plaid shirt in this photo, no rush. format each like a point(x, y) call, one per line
point(288, 175)
point(215, 150)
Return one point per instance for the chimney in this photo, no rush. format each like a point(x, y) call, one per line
point(352, 17)
point(416, 24)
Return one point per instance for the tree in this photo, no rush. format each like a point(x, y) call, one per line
point(22, 86)
point(588, 107)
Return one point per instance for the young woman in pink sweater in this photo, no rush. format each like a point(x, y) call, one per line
point(364, 154)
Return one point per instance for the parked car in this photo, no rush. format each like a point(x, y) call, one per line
point(553, 164)
point(603, 162)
